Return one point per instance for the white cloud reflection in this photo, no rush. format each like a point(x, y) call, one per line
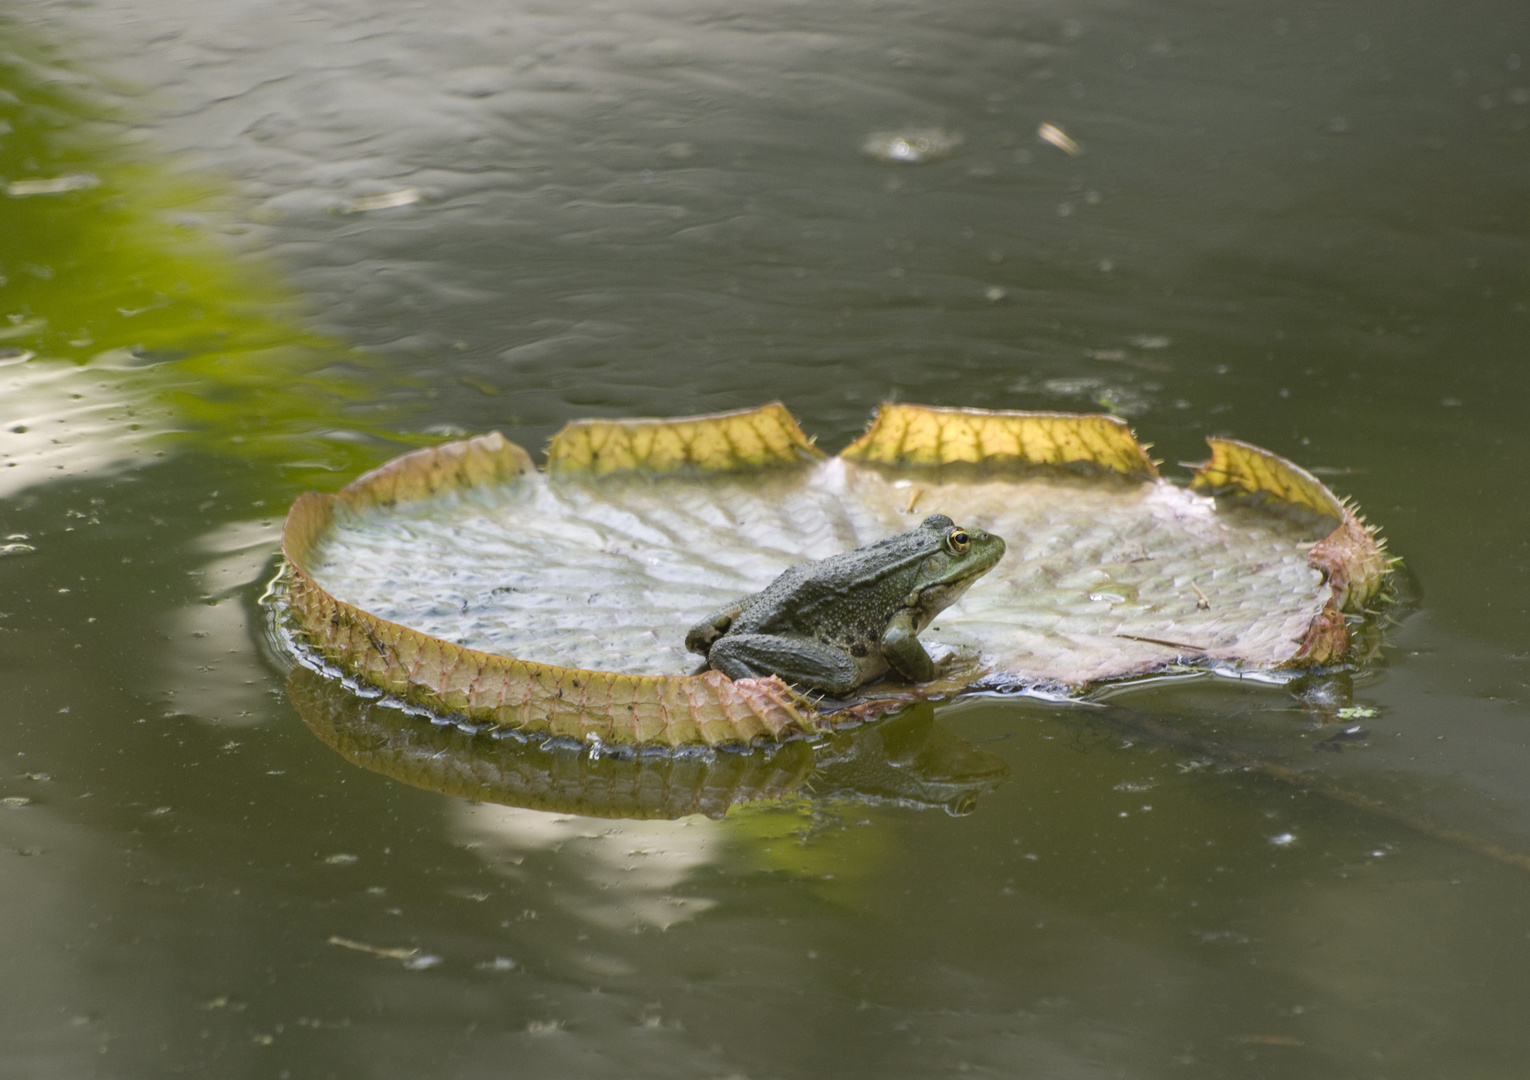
point(632, 869)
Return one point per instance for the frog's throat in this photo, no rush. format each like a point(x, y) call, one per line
point(931, 600)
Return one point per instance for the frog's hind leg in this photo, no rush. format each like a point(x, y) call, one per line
point(800, 661)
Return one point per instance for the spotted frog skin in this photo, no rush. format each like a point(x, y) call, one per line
point(836, 623)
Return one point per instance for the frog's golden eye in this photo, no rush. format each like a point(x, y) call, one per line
point(958, 541)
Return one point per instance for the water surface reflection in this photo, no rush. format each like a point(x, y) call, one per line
point(1303, 227)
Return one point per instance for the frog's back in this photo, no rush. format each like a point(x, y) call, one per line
point(852, 591)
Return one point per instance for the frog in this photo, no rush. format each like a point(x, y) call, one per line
point(835, 624)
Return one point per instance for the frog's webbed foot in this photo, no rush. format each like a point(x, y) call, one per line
point(800, 662)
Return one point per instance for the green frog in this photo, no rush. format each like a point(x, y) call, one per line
point(836, 623)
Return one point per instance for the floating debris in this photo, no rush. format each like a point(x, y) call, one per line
point(57, 185)
point(406, 197)
point(15, 802)
point(1051, 133)
point(406, 955)
point(1335, 742)
point(912, 147)
point(222, 1002)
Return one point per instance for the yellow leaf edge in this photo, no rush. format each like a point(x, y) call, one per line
point(925, 435)
point(1352, 558)
point(758, 438)
point(532, 698)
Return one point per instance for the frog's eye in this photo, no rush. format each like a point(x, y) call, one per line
point(958, 541)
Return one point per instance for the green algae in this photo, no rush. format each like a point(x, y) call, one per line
point(127, 315)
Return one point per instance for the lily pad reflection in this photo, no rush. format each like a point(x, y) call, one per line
point(907, 760)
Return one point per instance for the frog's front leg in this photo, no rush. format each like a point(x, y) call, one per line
point(700, 637)
point(900, 644)
point(799, 660)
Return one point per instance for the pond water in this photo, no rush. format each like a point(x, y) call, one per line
point(251, 249)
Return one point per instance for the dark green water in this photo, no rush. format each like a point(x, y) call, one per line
point(1305, 225)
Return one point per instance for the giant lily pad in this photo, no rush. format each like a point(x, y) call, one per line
point(464, 580)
